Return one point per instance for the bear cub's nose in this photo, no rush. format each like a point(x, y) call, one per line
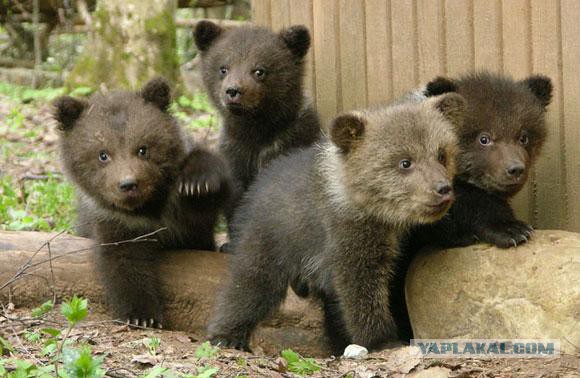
point(128, 184)
point(515, 170)
point(233, 92)
point(443, 188)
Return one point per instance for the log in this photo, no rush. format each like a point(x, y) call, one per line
point(190, 280)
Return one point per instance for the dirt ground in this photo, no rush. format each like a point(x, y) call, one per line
point(126, 354)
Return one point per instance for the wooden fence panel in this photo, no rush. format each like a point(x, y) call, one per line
point(370, 51)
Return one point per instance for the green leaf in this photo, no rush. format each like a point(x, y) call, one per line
point(75, 310)
point(156, 372)
point(298, 364)
point(50, 331)
point(43, 309)
point(206, 350)
point(5, 346)
point(81, 91)
point(32, 336)
point(207, 372)
point(80, 363)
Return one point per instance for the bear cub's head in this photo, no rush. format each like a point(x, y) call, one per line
point(397, 163)
point(504, 127)
point(123, 149)
point(252, 70)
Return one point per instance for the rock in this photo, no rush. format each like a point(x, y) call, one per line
point(532, 291)
point(355, 351)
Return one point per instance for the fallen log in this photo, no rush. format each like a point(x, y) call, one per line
point(190, 282)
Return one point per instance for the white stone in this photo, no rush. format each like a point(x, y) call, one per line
point(355, 351)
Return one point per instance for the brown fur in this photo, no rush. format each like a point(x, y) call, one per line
point(254, 77)
point(511, 115)
point(135, 172)
point(341, 209)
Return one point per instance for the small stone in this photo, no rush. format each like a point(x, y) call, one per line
point(355, 351)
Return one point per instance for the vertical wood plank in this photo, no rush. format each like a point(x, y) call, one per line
point(326, 58)
point(301, 14)
point(261, 13)
point(280, 10)
point(459, 36)
point(570, 13)
point(378, 45)
point(431, 40)
point(516, 37)
point(352, 54)
point(550, 170)
point(404, 45)
point(487, 35)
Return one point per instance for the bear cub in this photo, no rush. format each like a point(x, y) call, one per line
point(254, 78)
point(501, 137)
point(338, 221)
point(137, 173)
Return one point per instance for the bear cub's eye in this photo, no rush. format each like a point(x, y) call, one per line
point(524, 139)
point(484, 139)
point(260, 73)
point(103, 156)
point(143, 151)
point(406, 164)
point(223, 70)
point(442, 158)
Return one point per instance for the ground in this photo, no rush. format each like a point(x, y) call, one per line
point(34, 195)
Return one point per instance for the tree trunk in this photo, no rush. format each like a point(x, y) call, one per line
point(190, 281)
point(132, 42)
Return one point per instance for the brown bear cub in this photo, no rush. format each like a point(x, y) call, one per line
point(338, 222)
point(254, 78)
point(135, 173)
point(501, 137)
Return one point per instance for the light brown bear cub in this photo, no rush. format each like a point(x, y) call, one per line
point(337, 223)
point(136, 172)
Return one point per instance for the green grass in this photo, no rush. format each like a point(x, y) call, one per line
point(42, 205)
point(26, 94)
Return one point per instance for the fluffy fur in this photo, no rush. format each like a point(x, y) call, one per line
point(135, 172)
point(501, 137)
point(338, 220)
point(254, 78)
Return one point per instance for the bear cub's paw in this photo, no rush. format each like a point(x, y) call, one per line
point(144, 323)
point(231, 342)
point(506, 235)
point(202, 174)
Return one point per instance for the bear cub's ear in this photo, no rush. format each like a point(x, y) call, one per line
point(158, 92)
point(541, 87)
point(205, 34)
point(346, 130)
point(452, 105)
point(297, 39)
point(439, 86)
point(67, 111)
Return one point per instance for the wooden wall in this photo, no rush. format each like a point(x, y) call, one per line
point(366, 51)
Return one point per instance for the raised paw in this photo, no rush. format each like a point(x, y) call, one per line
point(201, 174)
point(144, 323)
point(230, 342)
point(506, 235)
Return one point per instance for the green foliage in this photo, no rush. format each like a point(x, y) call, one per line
point(298, 364)
point(195, 112)
point(153, 344)
point(5, 346)
point(206, 350)
point(42, 309)
point(44, 206)
point(75, 310)
point(26, 94)
point(80, 363)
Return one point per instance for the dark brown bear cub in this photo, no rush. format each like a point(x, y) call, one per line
point(254, 78)
point(337, 222)
point(501, 137)
point(135, 173)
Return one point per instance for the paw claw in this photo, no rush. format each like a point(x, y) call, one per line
point(206, 187)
